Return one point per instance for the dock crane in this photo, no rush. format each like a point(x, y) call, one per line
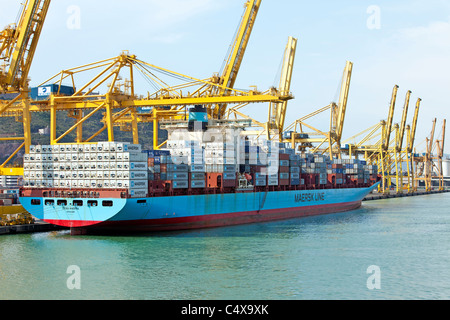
point(120, 102)
point(377, 146)
point(274, 126)
point(387, 128)
point(384, 154)
point(295, 135)
point(18, 45)
point(411, 135)
point(236, 55)
point(440, 154)
point(428, 161)
point(398, 150)
point(217, 85)
point(277, 111)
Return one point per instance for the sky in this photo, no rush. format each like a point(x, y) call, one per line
point(396, 42)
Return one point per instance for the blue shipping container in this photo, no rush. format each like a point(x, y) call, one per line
point(44, 92)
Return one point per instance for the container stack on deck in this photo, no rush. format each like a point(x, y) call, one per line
point(104, 165)
point(188, 167)
point(261, 165)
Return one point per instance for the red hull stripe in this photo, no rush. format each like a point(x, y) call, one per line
point(208, 221)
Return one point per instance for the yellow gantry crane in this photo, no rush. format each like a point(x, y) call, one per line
point(277, 111)
point(439, 155)
point(428, 158)
point(235, 57)
point(120, 103)
point(17, 47)
point(388, 153)
point(411, 135)
point(295, 134)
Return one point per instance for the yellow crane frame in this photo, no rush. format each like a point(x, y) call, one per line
point(333, 136)
point(390, 154)
point(17, 48)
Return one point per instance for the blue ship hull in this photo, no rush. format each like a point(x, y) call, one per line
point(191, 211)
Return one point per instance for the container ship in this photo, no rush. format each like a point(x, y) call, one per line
point(203, 178)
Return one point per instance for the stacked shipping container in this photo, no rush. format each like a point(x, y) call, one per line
point(187, 165)
point(103, 165)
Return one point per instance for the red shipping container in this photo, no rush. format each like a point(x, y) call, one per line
point(213, 180)
point(283, 182)
point(306, 178)
point(257, 169)
point(229, 183)
point(284, 156)
point(283, 169)
point(157, 186)
point(314, 178)
point(163, 167)
point(331, 178)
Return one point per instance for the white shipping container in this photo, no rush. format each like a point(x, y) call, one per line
point(197, 168)
point(198, 184)
point(132, 147)
point(139, 184)
point(180, 184)
point(138, 166)
point(138, 193)
point(133, 156)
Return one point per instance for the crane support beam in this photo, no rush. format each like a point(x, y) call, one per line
point(403, 123)
point(343, 99)
point(388, 127)
point(279, 109)
point(412, 134)
point(27, 38)
point(234, 60)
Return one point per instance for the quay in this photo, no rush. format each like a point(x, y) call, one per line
point(38, 226)
point(393, 194)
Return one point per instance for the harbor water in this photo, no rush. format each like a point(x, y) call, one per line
point(388, 249)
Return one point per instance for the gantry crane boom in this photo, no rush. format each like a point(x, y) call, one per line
point(442, 141)
point(343, 100)
point(390, 119)
point(17, 48)
point(412, 135)
point(428, 157)
point(19, 45)
point(234, 60)
point(278, 110)
point(334, 135)
point(430, 141)
point(399, 143)
point(120, 106)
point(440, 155)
